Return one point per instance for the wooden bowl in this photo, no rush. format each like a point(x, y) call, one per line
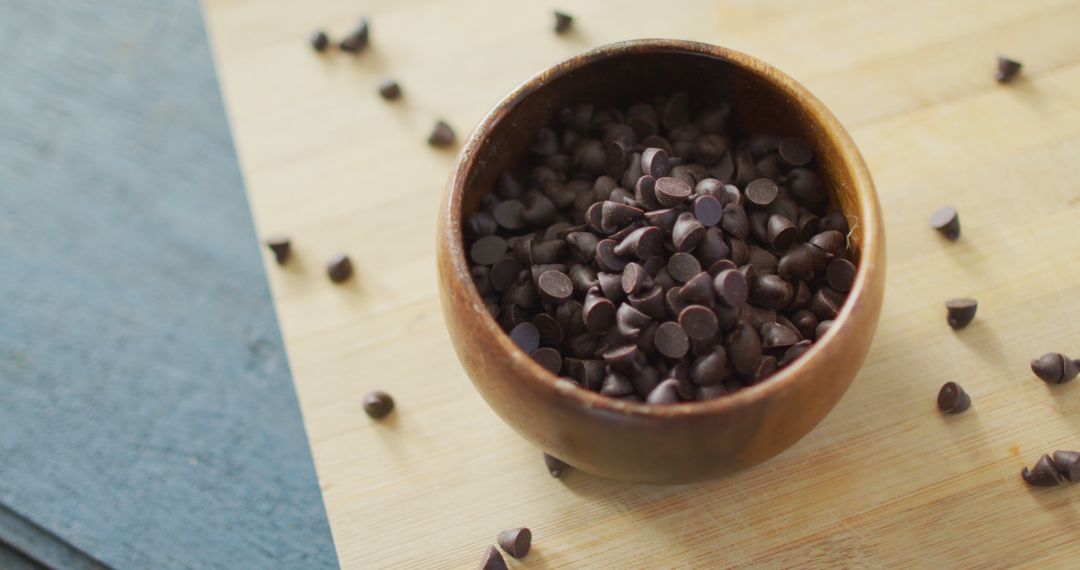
point(690, 441)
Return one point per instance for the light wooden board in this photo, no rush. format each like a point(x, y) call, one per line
point(884, 481)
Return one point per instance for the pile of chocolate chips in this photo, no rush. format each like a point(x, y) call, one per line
point(651, 254)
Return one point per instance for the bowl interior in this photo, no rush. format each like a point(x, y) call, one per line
point(761, 99)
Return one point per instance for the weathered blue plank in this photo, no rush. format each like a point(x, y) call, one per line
point(147, 413)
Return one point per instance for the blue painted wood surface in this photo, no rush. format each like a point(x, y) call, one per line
point(147, 413)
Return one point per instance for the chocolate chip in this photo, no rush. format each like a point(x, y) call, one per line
point(1044, 474)
point(616, 384)
point(806, 323)
point(1055, 368)
point(711, 368)
point(629, 321)
point(389, 89)
point(687, 232)
point(516, 541)
point(795, 151)
point(744, 348)
point(281, 247)
point(834, 221)
point(487, 250)
point(671, 191)
point(781, 233)
point(635, 279)
point(731, 287)
point(793, 353)
point(671, 340)
point(549, 358)
point(775, 335)
point(442, 135)
point(663, 219)
point(666, 392)
point(642, 243)
point(698, 290)
point(798, 263)
point(683, 267)
point(357, 40)
point(840, 274)
point(952, 399)
point(1067, 464)
point(699, 322)
point(712, 248)
point(675, 111)
point(526, 336)
point(555, 285)
point(655, 162)
point(563, 22)
point(735, 221)
point(339, 268)
point(960, 311)
point(554, 466)
point(1007, 69)
point(551, 332)
point(319, 41)
point(650, 302)
point(831, 242)
point(606, 259)
point(826, 303)
point(378, 404)
point(598, 312)
point(822, 328)
point(611, 285)
point(771, 291)
point(761, 192)
point(947, 221)
point(708, 210)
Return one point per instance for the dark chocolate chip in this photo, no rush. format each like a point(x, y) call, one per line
point(671, 340)
point(840, 274)
point(1067, 464)
point(516, 541)
point(645, 193)
point(699, 322)
point(822, 328)
point(598, 312)
point(826, 303)
point(357, 40)
point(708, 210)
point(798, 263)
point(616, 384)
point(666, 392)
point(960, 312)
point(583, 245)
point(711, 368)
point(281, 247)
point(1007, 69)
point(761, 192)
point(1044, 474)
point(642, 243)
point(952, 399)
point(734, 221)
point(611, 285)
point(795, 151)
point(781, 233)
point(655, 163)
point(526, 336)
point(731, 287)
point(796, 350)
point(698, 290)
point(339, 268)
point(744, 348)
point(378, 404)
point(775, 335)
point(663, 219)
point(320, 41)
point(672, 191)
point(765, 368)
point(442, 135)
point(1055, 368)
point(551, 332)
point(606, 259)
point(683, 267)
point(554, 466)
point(635, 279)
point(563, 22)
point(650, 302)
point(549, 358)
point(687, 232)
point(806, 323)
point(555, 285)
point(389, 89)
point(771, 291)
point(947, 221)
point(831, 242)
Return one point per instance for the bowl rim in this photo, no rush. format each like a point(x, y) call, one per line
point(869, 218)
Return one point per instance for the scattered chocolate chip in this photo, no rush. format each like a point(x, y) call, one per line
point(339, 268)
point(1044, 474)
point(1067, 464)
point(281, 247)
point(563, 22)
point(947, 221)
point(666, 392)
point(493, 560)
point(516, 541)
point(960, 311)
point(952, 399)
point(1007, 69)
point(389, 89)
point(357, 40)
point(554, 466)
point(442, 135)
point(1055, 368)
point(378, 404)
point(320, 41)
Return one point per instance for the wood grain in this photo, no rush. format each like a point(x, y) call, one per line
point(884, 481)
